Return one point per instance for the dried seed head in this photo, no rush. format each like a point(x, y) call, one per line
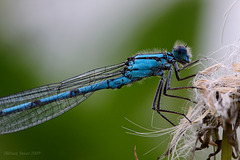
point(220, 94)
point(218, 107)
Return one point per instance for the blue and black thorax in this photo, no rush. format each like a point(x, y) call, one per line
point(146, 65)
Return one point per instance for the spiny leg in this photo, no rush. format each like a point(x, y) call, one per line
point(158, 94)
point(167, 87)
point(177, 69)
point(157, 102)
point(190, 64)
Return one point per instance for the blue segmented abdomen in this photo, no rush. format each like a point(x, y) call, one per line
point(110, 83)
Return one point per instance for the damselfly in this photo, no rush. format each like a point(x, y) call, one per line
point(31, 107)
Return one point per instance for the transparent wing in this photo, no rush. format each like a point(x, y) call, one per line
point(27, 118)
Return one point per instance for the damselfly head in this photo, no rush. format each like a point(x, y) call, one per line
point(181, 52)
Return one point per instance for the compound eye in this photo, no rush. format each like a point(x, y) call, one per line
point(179, 51)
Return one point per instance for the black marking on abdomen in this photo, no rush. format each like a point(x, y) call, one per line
point(74, 93)
point(35, 104)
point(120, 86)
point(107, 83)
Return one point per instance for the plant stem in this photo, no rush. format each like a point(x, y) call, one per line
point(226, 146)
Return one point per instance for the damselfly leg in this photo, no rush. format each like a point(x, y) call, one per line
point(157, 99)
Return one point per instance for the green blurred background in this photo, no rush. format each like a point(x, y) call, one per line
point(47, 41)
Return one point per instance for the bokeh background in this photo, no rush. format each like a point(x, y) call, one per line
point(46, 41)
